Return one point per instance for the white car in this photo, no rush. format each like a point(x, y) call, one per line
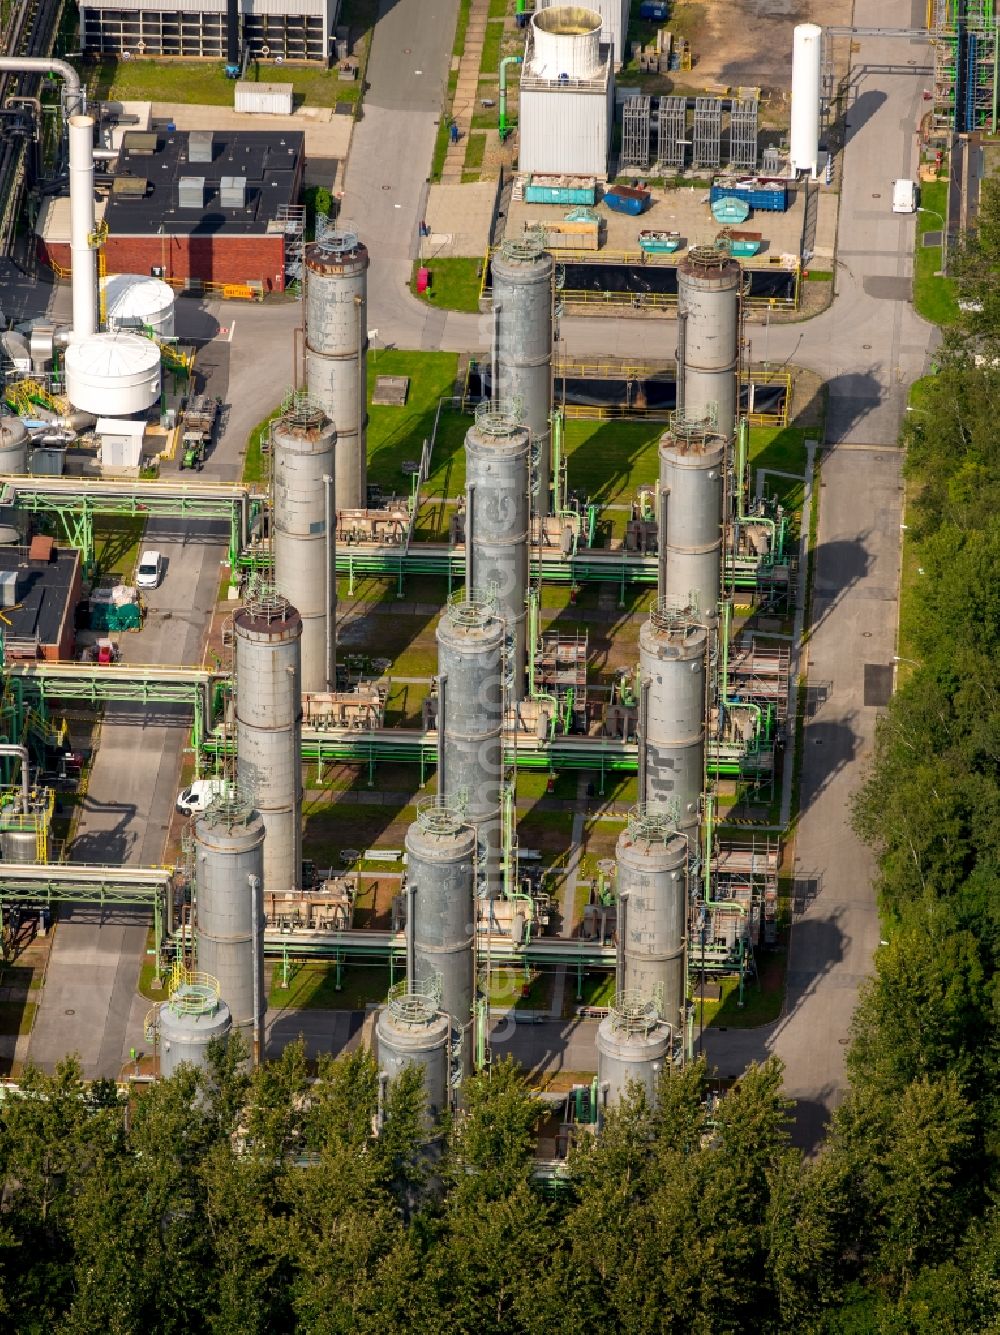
point(199, 796)
point(149, 571)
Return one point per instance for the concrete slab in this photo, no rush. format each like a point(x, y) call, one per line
point(460, 218)
point(327, 135)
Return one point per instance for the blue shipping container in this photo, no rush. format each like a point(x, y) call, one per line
point(559, 194)
point(654, 10)
point(770, 198)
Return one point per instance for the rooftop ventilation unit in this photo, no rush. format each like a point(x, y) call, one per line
point(233, 192)
point(191, 192)
point(200, 146)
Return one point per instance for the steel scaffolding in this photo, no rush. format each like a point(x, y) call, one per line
point(635, 133)
point(671, 134)
point(743, 134)
point(707, 139)
point(966, 73)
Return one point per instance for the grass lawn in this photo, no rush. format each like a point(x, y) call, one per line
point(16, 1017)
point(608, 460)
point(454, 283)
point(762, 997)
point(205, 82)
point(508, 987)
point(475, 151)
point(933, 297)
point(314, 987)
point(782, 448)
point(255, 461)
point(396, 435)
point(490, 61)
point(116, 545)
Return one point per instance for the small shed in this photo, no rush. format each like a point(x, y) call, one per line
point(120, 443)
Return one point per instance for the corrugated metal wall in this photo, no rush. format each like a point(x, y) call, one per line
point(321, 8)
point(565, 131)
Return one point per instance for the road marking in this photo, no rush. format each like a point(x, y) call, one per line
point(232, 330)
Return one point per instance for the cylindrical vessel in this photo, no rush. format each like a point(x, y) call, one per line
point(672, 650)
point(83, 256)
point(132, 299)
point(19, 846)
point(692, 464)
point(632, 1045)
point(336, 348)
point(229, 907)
point(13, 446)
point(411, 1031)
point(440, 873)
point(522, 313)
point(497, 512)
point(652, 863)
point(113, 375)
point(303, 534)
point(470, 640)
point(269, 730)
point(187, 1023)
point(709, 284)
point(566, 42)
point(807, 89)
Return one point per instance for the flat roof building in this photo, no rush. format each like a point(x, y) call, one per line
point(40, 587)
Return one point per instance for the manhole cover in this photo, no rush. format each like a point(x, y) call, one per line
point(69, 1012)
point(876, 196)
point(867, 347)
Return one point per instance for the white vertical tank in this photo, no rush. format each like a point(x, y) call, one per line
point(132, 299)
point(672, 651)
point(807, 73)
point(652, 861)
point(692, 464)
point(709, 289)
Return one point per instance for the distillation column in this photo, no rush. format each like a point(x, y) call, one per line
point(692, 470)
point(336, 274)
point(497, 525)
point(709, 287)
point(268, 633)
point(471, 688)
point(672, 707)
point(523, 277)
point(304, 533)
point(229, 909)
point(440, 887)
point(652, 861)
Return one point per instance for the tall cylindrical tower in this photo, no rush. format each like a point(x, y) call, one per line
point(522, 331)
point(497, 523)
point(471, 643)
point(692, 468)
point(440, 883)
point(412, 1031)
point(229, 907)
point(83, 255)
point(672, 651)
point(186, 1024)
point(633, 1044)
point(709, 284)
point(336, 347)
point(269, 728)
point(303, 533)
point(652, 863)
point(807, 89)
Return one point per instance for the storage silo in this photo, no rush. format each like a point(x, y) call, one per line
point(689, 531)
point(807, 90)
point(672, 707)
point(113, 375)
point(566, 95)
point(189, 1021)
point(412, 1031)
point(229, 875)
point(268, 636)
point(336, 271)
point(303, 445)
point(523, 274)
point(633, 1044)
point(497, 523)
point(709, 291)
point(652, 865)
point(471, 642)
point(134, 300)
point(13, 446)
point(440, 886)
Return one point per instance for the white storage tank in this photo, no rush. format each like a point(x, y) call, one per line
point(113, 375)
point(807, 75)
point(268, 99)
point(566, 42)
point(131, 299)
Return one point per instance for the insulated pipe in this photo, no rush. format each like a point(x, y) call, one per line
point(74, 98)
point(411, 937)
point(470, 502)
point(331, 651)
point(11, 749)
point(643, 723)
point(620, 947)
point(661, 547)
point(254, 883)
point(442, 693)
point(81, 202)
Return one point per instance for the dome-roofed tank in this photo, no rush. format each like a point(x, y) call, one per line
point(132, 299)
point(190, 1020)
point(113, 375)
point(13, 445)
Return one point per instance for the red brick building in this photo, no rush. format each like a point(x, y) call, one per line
point(214, 206)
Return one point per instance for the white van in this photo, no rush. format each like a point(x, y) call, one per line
point(197, 798)
point(904, 195)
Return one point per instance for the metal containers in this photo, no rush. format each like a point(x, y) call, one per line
point(303, 533)
point(497, 523)
point(336, 269)
point(192, 1018)
point(471, 644)
point(229, 907)
point(113, 375)
point(13, 445)
point(412, 1031)
point(632, 1045)
point(652, 863)
point(270, 99)
point(672, 653)
point(440, 886)
point(268, 634)
point(522, 318)
point(709, 287)
point(692, 470)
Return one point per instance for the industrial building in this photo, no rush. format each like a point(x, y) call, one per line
point(287, 30)
point(203, 206)
point(40, 588)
